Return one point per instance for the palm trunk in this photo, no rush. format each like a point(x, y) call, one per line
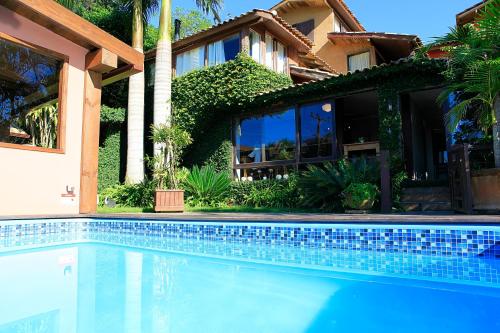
point(496, 133)
point(163, 70)
point(135, 120)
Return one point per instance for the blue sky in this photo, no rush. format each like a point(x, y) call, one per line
point(426, 18)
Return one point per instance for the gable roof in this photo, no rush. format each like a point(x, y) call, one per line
point(339, 6)
point(69, 25)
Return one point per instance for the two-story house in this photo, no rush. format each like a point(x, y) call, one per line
point(266, 37)
point(340, 39)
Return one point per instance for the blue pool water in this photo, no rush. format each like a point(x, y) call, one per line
point(87, 287)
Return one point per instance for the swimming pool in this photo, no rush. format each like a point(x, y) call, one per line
point(157, 276)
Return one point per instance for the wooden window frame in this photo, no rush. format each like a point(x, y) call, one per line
point(62, 96)
point(298, 159)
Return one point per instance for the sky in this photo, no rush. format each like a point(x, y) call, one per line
point(426, 18)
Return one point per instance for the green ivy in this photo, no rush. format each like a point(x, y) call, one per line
point(110, 147)
point(205, 100)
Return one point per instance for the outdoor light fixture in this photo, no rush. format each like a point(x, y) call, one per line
point(327, 107)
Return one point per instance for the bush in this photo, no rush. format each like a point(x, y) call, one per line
point(321, 186)
point(206, 187)
point(130, 195)
point(359, 196)
point(269, 193)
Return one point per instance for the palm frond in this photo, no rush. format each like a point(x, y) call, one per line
point(211, 7)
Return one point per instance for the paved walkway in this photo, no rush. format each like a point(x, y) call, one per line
point(295, 217)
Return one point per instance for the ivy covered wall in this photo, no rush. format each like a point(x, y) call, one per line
point(112, 150)
point(205, 100)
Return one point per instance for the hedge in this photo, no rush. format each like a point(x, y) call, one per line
point(111, 147)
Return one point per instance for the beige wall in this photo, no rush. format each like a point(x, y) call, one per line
point(32, 182)
point(334, 54)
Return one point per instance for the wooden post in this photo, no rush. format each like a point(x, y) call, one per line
point(385, 183)
point(97, 62)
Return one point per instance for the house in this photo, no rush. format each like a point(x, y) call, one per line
point(340, 39)
point(266, 37)
point(53, 65)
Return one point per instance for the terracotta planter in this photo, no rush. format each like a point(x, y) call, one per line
point(169, 201)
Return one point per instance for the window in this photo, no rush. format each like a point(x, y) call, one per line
point(189, 61)
point(338, 25)
point(317, 129)
point(223, 50)
point(307, 28)
point(269, 52)
point(280, 58)
point(264, 138)
point(29, 96)
point(359, 61)
point(255, 51)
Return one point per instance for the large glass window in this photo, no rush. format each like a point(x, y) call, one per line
point(223, 50)
point(189, 61)
point(281, 58)
point(29, 93)
point(263, 138)
point(269, 51)
point(317, 129)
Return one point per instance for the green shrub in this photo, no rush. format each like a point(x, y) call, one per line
point(130, 195)
point(359, 196)
point(206, 187)
point(321, 186)
point(266, 193)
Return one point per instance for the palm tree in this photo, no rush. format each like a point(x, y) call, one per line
point(163, 65)
point(141, 10)
point(473, 72)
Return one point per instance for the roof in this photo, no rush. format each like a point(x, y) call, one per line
point(391, 46)
point(338, 5)
point(309, 73)
point(253, 16)
point(468, 15)
point(69, 25)
point(329, 86)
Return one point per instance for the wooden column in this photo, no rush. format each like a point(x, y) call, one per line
point(97, 62)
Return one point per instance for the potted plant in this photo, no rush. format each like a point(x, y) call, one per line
point(170, 140)
point(360, 197)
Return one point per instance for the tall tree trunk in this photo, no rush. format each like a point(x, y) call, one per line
point(135, 121)
point(496, 133)
point(163, 69)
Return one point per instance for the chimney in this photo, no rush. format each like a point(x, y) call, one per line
point(177, 29)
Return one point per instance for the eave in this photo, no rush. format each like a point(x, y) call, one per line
point(60, 20)
point(469, 14)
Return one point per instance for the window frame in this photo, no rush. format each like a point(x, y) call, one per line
point(61, 99)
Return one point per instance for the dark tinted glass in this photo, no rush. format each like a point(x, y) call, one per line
point(268, 137)
point(29, 91)
point(317, 129)
point(231, 47)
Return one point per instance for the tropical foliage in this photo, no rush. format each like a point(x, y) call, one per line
point(321, 186)
point(206, 187)
point(41, 124)
point(270, 193)
point(172, 140)
point(359, 196)
point(129, 195)
point(473, 72)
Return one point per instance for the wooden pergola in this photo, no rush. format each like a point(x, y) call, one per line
point(108, 60)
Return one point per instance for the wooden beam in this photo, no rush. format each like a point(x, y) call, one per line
point(101, 61)
point(90, 142)
point(64, 22)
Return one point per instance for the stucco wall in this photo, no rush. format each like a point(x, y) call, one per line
point(334, 54)
point(32, 182)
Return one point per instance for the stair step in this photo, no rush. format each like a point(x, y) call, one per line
point(422, 206)
point(427, 194)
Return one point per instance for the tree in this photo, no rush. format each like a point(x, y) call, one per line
point(193, 21)
point(473, 73)
point(141, 10)
point(163, 66)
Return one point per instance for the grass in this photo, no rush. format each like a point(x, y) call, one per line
point(233, 209)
